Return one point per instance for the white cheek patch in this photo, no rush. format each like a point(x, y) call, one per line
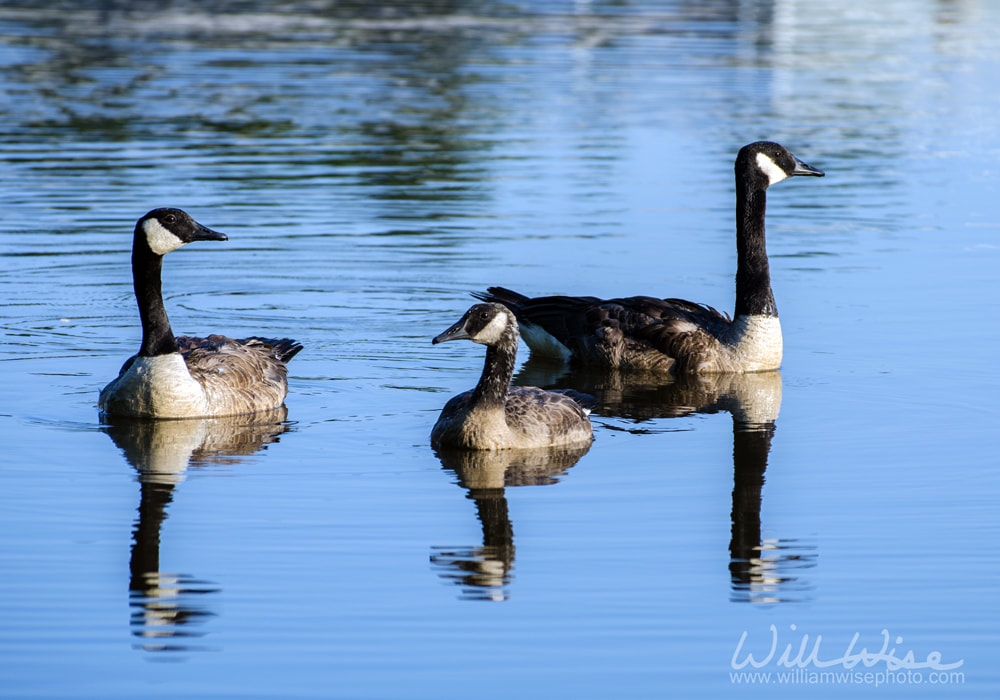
point(160, 240)
point(770, 168)
point(493, 330)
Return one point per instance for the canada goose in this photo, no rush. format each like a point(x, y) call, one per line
point(186, 377)
point(672, 335)
point(495, 416)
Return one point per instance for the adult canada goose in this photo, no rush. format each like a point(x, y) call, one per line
point(494, 415)
point(673, 335)
point(184, 377)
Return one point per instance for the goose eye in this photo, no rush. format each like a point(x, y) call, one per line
point(484, 315)
point(170, 218)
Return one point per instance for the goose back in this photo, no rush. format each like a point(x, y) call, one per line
point(641, 332)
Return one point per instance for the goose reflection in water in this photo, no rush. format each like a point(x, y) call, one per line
point(167, 608)
point(484, 573)
point(762, 569)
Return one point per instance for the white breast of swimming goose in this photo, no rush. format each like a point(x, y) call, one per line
point(481, 429)
point(159, 386)
point(752, 344)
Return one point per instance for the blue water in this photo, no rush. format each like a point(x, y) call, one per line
point(372, 165)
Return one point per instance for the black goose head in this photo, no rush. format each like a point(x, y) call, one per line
point(764, 163)
point(166, 229)
point(486, 324)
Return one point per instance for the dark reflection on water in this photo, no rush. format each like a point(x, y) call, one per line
point(646, 396)
point(484, 573)
point(168, 608)
point(762, 569)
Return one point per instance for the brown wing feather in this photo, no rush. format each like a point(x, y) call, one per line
point(239, 375)
point(536, 411)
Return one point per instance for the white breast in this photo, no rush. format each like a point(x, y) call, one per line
point(159, 387)
point(754, 343)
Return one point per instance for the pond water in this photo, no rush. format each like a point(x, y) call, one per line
point(372, 165)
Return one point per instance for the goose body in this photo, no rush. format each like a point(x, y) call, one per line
point(494, 415)
point(183, 376)
point(674, 335)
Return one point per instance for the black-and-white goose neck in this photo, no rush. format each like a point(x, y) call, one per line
point(498, 370)
point(157, 335)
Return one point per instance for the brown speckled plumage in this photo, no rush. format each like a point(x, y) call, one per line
point(239, 374)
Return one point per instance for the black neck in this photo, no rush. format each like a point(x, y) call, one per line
point(753, 275)
point(494, 384)
point(157, 336)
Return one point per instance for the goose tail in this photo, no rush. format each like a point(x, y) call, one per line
point(501, 295)
point(283, 348)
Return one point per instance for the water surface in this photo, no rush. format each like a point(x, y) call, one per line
point(372, 166)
